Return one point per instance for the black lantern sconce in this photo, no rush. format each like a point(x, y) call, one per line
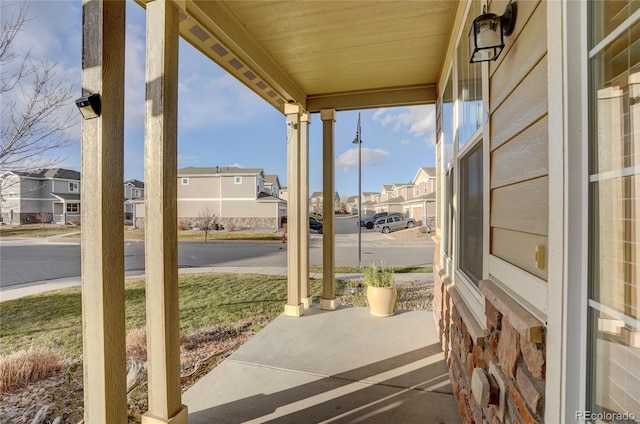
point(89, 105)
point(486, 37)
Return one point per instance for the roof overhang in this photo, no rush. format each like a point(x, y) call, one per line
point(325, 54)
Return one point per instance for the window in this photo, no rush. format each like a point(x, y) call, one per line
point(185, 181)
point(448, 214)
point(447, 124)
point(614, 209)
point(73, 187)
point(73, 208)
point(238, 180)
point(469, 86)
point(471, 214)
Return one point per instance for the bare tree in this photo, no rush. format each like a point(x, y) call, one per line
point(33, 121)
point(206, 219)
point(44, 218)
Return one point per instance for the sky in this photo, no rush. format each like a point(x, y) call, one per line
point(223, 123)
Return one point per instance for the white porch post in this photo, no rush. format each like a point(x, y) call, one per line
point(294, 306)
point(305, 295)
point(161, 238)
point(102, 247)
point(328, 300)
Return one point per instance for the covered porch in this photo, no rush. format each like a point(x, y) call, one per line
point(340, 366)
point(303, 58)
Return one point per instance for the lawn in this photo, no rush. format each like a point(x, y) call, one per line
point(36, 230)
point(206, 300)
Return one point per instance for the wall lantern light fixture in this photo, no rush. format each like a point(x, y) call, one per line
point(89, 105)
point(486, 37)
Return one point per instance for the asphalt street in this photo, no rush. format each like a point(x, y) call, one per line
point(24, 261)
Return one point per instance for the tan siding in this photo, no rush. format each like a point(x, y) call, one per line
point(525, 52)
point(526, 104)
point(193, 209)
point(248, 209)
point(519, 249)
point(522, 207)
point(524, 157)
point(246, 189)
point(199, 188)
point(525, 10)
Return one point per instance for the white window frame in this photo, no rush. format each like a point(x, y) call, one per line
point(74, 187)
point(185, 181)
point(470, 293)
point(72, 206)
point(237, 180)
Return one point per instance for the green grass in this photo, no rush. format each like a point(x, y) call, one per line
point(396, 270)
point(35, 230)
point(54, 319)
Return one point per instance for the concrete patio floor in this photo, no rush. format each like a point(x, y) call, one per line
point(344, 366)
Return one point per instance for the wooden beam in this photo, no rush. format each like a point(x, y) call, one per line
point(102, 191)
point(397, 96)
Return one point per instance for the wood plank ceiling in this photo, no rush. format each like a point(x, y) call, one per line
point(325, 54)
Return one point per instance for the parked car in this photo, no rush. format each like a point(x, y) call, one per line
point(369, 221)
point(394, 222)
point(315, 224)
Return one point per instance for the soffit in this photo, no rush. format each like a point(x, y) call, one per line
point(325, 54)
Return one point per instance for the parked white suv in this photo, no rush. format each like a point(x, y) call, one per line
point(394, 222)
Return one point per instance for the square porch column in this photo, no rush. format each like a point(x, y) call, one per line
point(305, 295)
point(102, 240)
point(294, 306)
point(161, 223)
point(328, 300)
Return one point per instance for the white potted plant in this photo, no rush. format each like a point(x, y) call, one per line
point(381, 291)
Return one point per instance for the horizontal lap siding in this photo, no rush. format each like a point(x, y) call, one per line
point(519, 141)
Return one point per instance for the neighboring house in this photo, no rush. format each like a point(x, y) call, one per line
point(352, 205)
point(385, 193)
point(133, 193)
point(26, 197)
point(425, 181)
point(282, 193)
point(422, 205)
point(272, 185)
point(236, 196)
point(316, 203)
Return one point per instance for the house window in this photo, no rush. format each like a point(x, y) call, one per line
point(136, 192)
point(448, 214)
point(471, 214)
point(238, 180)
point(73, 187)
point(185, 181)
point(447, 124)
point(73, 208)
point(469, 86)
point(614, 211)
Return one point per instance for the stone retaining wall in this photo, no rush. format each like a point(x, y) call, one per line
point(227, 223)
point(509, 347)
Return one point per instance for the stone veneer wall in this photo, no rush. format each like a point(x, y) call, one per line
point(240, 223)
point(510, 349)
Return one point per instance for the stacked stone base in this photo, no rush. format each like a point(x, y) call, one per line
point(227, 223)
point(509, 347)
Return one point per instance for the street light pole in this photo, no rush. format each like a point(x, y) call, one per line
point(358, 141)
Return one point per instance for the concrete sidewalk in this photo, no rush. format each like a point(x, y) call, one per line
point(343, 366)
point(37, 287)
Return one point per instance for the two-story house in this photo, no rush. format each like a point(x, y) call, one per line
point(317, 202)
point(236, 196)
point(272, 185)
point(45, 194)
point(422, 205)
point(133, 192)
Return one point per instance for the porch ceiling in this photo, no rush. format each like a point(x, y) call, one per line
point(325, 54)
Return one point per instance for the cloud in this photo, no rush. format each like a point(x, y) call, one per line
point(405, 142)
point(349, 159)
point(416, 120)
point(208, 101)
point(235, 165)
